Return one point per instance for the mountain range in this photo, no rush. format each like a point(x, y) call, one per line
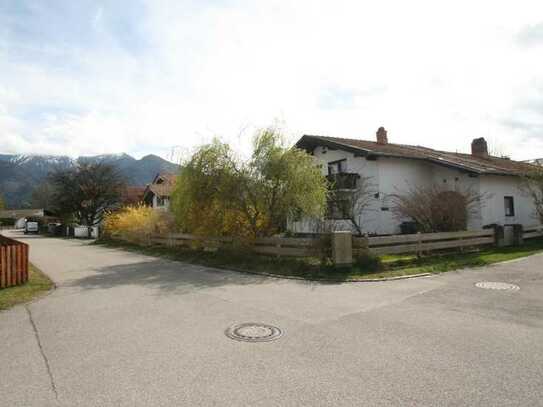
point(21, 174)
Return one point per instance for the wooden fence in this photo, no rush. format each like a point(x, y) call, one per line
point(304, 247)
point(191, 241)
point(279, 246)
point(288, 246)
point(423, 242)
point(419, 243)
point(13, 262)
point(532, 231)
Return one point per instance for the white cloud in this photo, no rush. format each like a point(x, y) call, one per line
point(178, 73)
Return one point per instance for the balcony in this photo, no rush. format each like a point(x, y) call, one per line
point(343, 180)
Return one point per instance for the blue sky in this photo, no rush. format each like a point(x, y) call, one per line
point(94, 77)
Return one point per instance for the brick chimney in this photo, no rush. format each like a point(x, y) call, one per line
point(382, 136)
point(479, 148)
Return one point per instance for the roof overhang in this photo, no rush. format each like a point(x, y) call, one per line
point(309, 142)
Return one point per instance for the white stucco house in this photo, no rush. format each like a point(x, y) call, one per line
point(158, 193)
point(394, 168)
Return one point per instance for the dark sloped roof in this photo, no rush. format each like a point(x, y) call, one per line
point(132, 194)
point(161, 189)
point(21, 213)
point(168, 177)
point(163, 185)
point(468, 162)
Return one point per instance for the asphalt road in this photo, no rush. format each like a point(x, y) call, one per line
point(129, 330)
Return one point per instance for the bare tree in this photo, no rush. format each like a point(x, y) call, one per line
point(353, 204)
point(532, 187)
point(497, 149)
point(87, 191)
point(437, 209)
point(43, 196)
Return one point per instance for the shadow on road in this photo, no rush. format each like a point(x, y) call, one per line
point(166, 276)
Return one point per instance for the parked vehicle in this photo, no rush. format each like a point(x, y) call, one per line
point(83, 232)
point(32, 227)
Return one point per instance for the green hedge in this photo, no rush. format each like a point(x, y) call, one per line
point(7, 222)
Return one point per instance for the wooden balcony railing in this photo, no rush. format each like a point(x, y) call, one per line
point(343, 180)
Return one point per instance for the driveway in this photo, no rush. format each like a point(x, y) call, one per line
point(130, 330)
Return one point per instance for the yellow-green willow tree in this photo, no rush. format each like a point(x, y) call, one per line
point(218, 194)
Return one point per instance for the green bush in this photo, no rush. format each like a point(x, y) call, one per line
point(368, 262)
point(7, 222)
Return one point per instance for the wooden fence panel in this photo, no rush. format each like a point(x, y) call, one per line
point(532, 232)
point(2, 261)
point(287, 246)
point(13, 262)
point(286, 241)
point(282, 251)
point(297, 247)
point(360, 242)
point(8, 266)
point(423, 247)
point(424, 237)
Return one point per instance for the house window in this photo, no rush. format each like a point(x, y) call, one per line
point(509, 206)
point(159, 201)
point(339, 209)
point(337, 167)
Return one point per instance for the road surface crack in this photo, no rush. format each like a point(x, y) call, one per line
point(44, 356)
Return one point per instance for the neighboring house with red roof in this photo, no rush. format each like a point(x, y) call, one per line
point(394, 168)
point(158, 193)
point(535, 161)
point(132, 195)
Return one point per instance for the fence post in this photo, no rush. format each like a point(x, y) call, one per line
point(518, 235)
point(2, 267)
point(342, 248)
point(499, 235)
point(278, 247)
point(365, 246)
point(419, 244)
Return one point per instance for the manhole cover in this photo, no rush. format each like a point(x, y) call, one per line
point(489, 285)
point(253, 332)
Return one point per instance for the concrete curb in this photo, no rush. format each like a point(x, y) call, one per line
point(370, 280)
point(319, 280)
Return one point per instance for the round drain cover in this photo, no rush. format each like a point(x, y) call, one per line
point(253, 332)
point(489, 285)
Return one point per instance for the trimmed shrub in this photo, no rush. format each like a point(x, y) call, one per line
point(137, 223)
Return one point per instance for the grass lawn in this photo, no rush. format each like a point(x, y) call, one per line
point(310, 268)
point(454, 261)
point(38, 283)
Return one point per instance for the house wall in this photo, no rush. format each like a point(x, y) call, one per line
point(388, 176)
point(166, 203)
point(371, 218)
point(391, 176)
point(398, 176)
point(495, 188)
point(395, 177)
point(456, 180)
